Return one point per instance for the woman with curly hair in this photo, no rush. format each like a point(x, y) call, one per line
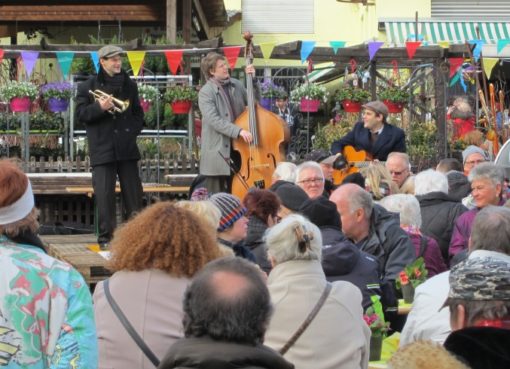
point(154, 257)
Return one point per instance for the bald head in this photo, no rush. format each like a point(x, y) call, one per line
point(228, 285)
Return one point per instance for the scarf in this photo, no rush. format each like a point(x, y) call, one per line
point(224, 89)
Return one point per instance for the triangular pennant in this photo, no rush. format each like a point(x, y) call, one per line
point(65, 59)
point(173, 58)
point(29, 59)
point(444, 44)
point(336, 45)
point(373, 47)
point(411, 47)
point(267, 49)
point(478, 48)
point(488, 65)
point(95, 60)
point(232, 53)
point(502, 43)
point(455, 63)
point(306, 49)
point(454, 79)
point(1, 54)
point(136, 59)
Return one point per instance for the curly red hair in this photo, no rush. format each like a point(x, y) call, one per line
point(13, 182)
point(164, 237)
point(261, 203)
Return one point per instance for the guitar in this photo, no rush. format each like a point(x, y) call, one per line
point(355, 159)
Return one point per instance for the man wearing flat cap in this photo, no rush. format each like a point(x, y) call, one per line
point(111, 132)
point(373, 135)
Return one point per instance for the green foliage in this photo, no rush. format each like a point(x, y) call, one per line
point(414, 273)
point(148, 92)
point(18, 89)
point(327, 133)
point(180, 93)
point(309, 91)
point(42, 120)
point(353, 94)
point(394, 94)
point(420, 143)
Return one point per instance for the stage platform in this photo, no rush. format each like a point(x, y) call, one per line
point(74, 249)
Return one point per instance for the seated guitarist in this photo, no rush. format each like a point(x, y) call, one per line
point(374, 135)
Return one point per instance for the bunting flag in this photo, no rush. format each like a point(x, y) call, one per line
point(411, 47)
point(488, 65)
point(444, 44)
point(478, 48)
point(173, 58)
point(267, 49)
point(232, 53)
point(95, 60)
point(501, 44)
point(29, 59)
point(455, 64)
point(373, 47)
point(1, 54)
point(336, 45)
point(454, 79)
point(136, 60)
point(306, 49)
point(65, 59)
point(461, 80)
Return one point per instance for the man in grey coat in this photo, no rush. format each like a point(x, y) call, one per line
point(221, 100)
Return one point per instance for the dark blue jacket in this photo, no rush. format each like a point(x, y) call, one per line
point(391, 139)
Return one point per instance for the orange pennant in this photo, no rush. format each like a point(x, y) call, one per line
point(411, 47)
point(232, 53)
point(173, 58)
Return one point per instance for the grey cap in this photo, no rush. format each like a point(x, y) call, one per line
point(377, 106)
point(109, 51)
point(480, 279)
point(472, 149)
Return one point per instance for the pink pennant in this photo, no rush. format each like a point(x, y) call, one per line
point(232, 53)
point(455, 63)
point(173, 58)
point(411, 47)
point(1, 54)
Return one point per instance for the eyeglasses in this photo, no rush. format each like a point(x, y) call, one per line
point(311, 181)
point(473, 162)
point(395, 173)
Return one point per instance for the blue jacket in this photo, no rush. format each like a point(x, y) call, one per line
point(391, 139)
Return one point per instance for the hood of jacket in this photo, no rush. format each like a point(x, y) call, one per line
point(434, 198)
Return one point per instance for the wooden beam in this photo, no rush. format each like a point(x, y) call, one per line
point(171, 20)
point(202, 18)
point(186, 20)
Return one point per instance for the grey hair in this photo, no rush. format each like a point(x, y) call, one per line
point(491, 230)
point(430, 181)
point(406, 205)
point(489, 171)
point(308, 165)
point(476, 310)
point(361, 199)
point(283, 244)
point(285, 171)
point(401, 155)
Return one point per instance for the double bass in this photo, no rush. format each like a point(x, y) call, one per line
point(260, 157)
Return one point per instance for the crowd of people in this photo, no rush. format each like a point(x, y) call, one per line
point(280, 278)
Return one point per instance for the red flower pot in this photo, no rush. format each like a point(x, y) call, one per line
point(351, 106)
point(57, 105)
point(146, 105)
point(20, 104)
point(311, 106)
point(181, 107)
point(394, 107)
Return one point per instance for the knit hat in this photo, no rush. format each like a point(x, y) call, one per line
point(230, 207)
point(200, 193)
point(458, 185)
point(291, 196)
point(472, 149)
point(321, 212)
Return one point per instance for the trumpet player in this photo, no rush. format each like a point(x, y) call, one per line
point(109, 107)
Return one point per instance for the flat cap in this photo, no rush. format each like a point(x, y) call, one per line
point(377, 106)
point(109, 50)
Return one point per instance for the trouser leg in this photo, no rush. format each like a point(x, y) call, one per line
point(130, 186)
point(103, 182)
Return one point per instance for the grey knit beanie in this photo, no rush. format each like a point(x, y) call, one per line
point(472, 149)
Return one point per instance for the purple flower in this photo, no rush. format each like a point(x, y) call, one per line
point(59, 90)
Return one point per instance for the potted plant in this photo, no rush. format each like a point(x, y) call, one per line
point(411, 277)
point(147, 94)
point(180, 97)
point(57, 95)
point(309, 95)
point(19, 95)
point(394, 97)
point(269, 92)
point(374, 317)
point(352, 98)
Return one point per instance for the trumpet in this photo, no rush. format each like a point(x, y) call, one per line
point(119, 106)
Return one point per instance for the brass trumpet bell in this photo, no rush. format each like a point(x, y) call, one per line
point(119, 106)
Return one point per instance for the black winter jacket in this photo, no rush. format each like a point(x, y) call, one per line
point(110, 137)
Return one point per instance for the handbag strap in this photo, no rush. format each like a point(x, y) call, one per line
point(127, 325)
point(307, 321)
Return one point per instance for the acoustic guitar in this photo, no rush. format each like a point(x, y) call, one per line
point(355, 159)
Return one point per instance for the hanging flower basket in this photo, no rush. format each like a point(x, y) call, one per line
point(266, 102)
point(181, 106)
point(146, 105)
point(351, 106)
point(311, 106)
point(394, 107)
point(57, 105)
point(20, 104)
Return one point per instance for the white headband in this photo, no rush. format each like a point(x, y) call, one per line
point(19, 209)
